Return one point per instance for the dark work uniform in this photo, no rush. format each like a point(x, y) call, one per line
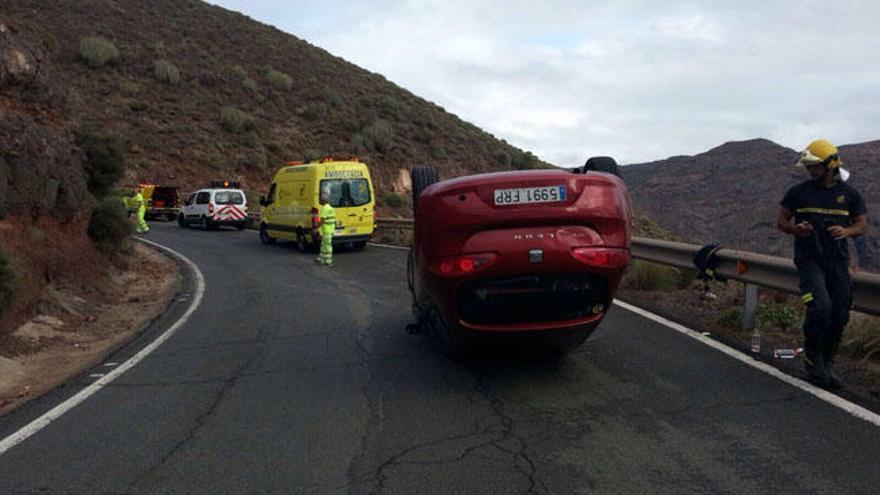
point(822, 262)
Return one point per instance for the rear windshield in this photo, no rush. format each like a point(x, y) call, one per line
point(347, 192)
point(228, 198)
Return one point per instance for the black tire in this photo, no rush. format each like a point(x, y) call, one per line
point(170, 217)
point(422, 176)
point(181, 221)
point(359, 245)
point(240, 226)
point(208, 224)
point(604, 164)
point(455, 345)
point(265, 238)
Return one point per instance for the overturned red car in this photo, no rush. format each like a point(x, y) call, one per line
point(537, 253)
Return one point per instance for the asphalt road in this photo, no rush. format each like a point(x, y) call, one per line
point(295, 378)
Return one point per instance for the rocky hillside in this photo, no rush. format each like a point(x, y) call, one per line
point(183, 92)
point(200, 92)
point(730, 194)
point(44, 196)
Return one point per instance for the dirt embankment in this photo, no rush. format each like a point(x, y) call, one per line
point(81, 316)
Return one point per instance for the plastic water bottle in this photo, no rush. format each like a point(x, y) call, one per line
point(756, 340)
point(786, 353)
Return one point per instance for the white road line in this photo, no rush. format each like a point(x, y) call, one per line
point(853, 409)
point(389, 246)
point(56, 412)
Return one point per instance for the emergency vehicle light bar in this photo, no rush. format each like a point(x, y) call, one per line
point(225, 183)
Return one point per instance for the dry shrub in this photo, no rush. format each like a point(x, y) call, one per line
point(861, 338)
point(97, 52)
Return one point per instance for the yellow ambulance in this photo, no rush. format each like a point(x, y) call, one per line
point(290, 209)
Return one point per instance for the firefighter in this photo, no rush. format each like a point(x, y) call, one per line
point(137, 201)
point(326, 227)
point(822, 212)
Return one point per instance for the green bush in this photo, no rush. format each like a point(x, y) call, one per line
point(731, 317)
point(250, 85)
point(393, 200)
point(235, 121)
point(862, 336)
point(379, 136)
point(388, 106)
point(312, 110)
point(238, 72)
point(279, 80)
point(7, 283)
point(97, 52)
point(645, 275)
point(780, 315)
point(105, 160)
point(166, 72)
point(109, 225)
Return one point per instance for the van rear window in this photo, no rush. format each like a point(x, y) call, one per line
point(347, 192)
point(228, 198)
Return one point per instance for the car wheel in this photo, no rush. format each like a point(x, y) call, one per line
point(604, 164)
point(451, 342)
point(301, 243)
point(240, 226)
point(170, 217)
point(359, 245)
point(422, 176)
point(181, 221)
point(265, 238)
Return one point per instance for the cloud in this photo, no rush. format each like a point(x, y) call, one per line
point(566, 80)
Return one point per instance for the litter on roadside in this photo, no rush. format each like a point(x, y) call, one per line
point(787, 353)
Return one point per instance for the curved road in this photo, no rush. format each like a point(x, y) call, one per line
point(294, 378)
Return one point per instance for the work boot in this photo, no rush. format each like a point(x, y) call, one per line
point(834, 380)
point(829, 348)
point(814, 365)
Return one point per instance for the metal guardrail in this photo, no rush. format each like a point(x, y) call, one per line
point(750, 268)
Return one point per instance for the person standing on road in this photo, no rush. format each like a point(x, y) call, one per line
point(822, 212)
point(326, 227)
point(137, 201)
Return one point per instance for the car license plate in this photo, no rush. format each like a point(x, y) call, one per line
point(526, 195)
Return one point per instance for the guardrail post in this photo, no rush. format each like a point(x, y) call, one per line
point(751, 305)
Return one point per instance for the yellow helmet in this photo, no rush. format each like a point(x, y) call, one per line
point(820, 151)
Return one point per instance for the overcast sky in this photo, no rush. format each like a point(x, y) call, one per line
point(637, 80)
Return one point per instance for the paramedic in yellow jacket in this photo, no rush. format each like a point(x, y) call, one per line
point(326, 227)
point(137, 201)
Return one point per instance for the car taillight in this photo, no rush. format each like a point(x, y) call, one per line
point(601, 257)
point(316, 220)
point(210, 208)
point(463, 265)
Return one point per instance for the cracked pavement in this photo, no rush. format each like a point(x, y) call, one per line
point(294, 378)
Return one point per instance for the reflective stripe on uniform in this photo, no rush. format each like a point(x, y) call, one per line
point(823, 211)
point(807, 297)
